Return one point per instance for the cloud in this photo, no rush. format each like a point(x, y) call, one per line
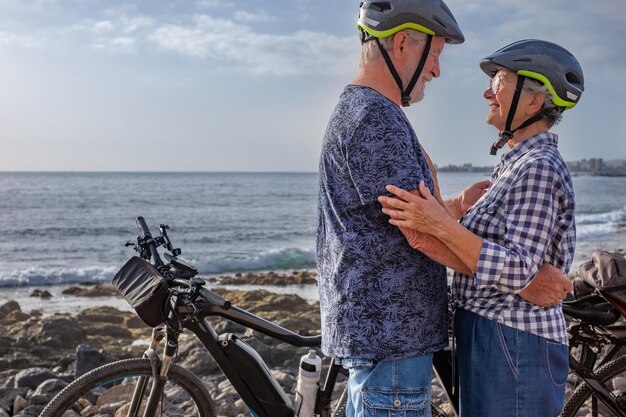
point(248, 17)
point(119, 33)
point(122, 44)
point(28, 6)
point(594, 40)
point(233, 45)
point(14, 39)
point(212, 4)
point(557, 20)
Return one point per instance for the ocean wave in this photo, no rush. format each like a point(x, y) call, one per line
point(599, 224)
point(35, 276)
point(280, 259)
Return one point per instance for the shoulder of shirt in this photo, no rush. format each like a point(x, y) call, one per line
point(368, 101)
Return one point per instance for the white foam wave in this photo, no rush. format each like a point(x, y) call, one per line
point(34, 276)
point(599, 224)
point(280, 259)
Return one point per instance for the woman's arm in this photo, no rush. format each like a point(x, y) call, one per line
point(434, 249)
point(525, 226)
point(424, 214)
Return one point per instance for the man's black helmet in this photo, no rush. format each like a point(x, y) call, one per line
point(383, 18)
point(547, 62)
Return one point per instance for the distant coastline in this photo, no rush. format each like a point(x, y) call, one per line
point(592, 166)
point(464, 168)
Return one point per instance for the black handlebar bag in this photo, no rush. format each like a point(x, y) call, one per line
point(606, 272)
point(144, 288)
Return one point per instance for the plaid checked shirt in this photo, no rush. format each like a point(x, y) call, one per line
point(525, 219)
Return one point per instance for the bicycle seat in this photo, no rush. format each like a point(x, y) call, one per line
point(592, 309)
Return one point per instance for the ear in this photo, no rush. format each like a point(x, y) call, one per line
point(400, 43)
point(535, 104)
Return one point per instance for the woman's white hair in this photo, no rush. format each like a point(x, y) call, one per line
point(371, 53)
point(553, 113)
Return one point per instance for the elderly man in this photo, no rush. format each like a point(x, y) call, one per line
point(384, 304)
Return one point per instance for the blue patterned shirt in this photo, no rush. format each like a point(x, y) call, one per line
point(525, 219)
point(379, 298)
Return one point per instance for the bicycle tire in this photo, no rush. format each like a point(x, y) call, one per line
point(192, 390)
point(583, 392)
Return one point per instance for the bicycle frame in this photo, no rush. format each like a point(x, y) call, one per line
point(239, 362)
point(243, 366)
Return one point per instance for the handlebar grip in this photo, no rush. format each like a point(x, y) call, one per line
point(215, 299)
point(144, 231)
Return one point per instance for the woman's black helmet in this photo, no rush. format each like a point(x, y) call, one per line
point(546, 62)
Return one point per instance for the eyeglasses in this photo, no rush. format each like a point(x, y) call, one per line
point(495, 83)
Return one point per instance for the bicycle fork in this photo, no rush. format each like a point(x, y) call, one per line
point(160, 369)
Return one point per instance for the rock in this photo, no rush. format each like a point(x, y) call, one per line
point(41, 294)
point(194, 357)
point(7, 382)
point(6, 345)
point(8, 307)
point(88, 358)
point(271, 278)
point(103, 314)
point(108, 330)
point(227, 326)
point(61, 332)
point(225, 404)
point(134, 322)
point(49, 388)
point(32, 377)
point(8, 395)
point(43, 399)
point(15, 316)
point(619, 384)
point(285, 379)
point(19, 404)
point(30, 411)
point(95, 291)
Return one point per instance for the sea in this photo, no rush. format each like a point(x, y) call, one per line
point(58, 229)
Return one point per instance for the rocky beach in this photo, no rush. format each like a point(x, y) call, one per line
point(41, 353)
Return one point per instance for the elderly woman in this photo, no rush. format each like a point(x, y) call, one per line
point(513, 357)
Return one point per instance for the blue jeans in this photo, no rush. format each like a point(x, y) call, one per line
point(507, 372)
point(394, 388)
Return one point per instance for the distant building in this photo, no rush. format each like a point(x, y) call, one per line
point(597, 166)
point(464, 168)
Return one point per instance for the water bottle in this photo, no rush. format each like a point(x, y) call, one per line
point(308, 384)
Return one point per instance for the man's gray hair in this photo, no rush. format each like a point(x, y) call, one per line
point(371, 53)
point(553, 114)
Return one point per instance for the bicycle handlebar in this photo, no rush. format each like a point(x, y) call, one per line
point(144, 231)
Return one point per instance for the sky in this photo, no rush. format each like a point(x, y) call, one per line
point(245, 85)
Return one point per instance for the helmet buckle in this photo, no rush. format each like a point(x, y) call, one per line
point(504, 137)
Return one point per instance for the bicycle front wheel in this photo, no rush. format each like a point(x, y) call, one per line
point(109, 390)
point(582, 400)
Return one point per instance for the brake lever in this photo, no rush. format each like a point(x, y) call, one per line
point(167, 242)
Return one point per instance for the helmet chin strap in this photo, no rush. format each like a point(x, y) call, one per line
point(507, 133)
point(406, 93)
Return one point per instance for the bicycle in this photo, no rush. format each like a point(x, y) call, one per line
point(596, 340)
point(155, 385)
